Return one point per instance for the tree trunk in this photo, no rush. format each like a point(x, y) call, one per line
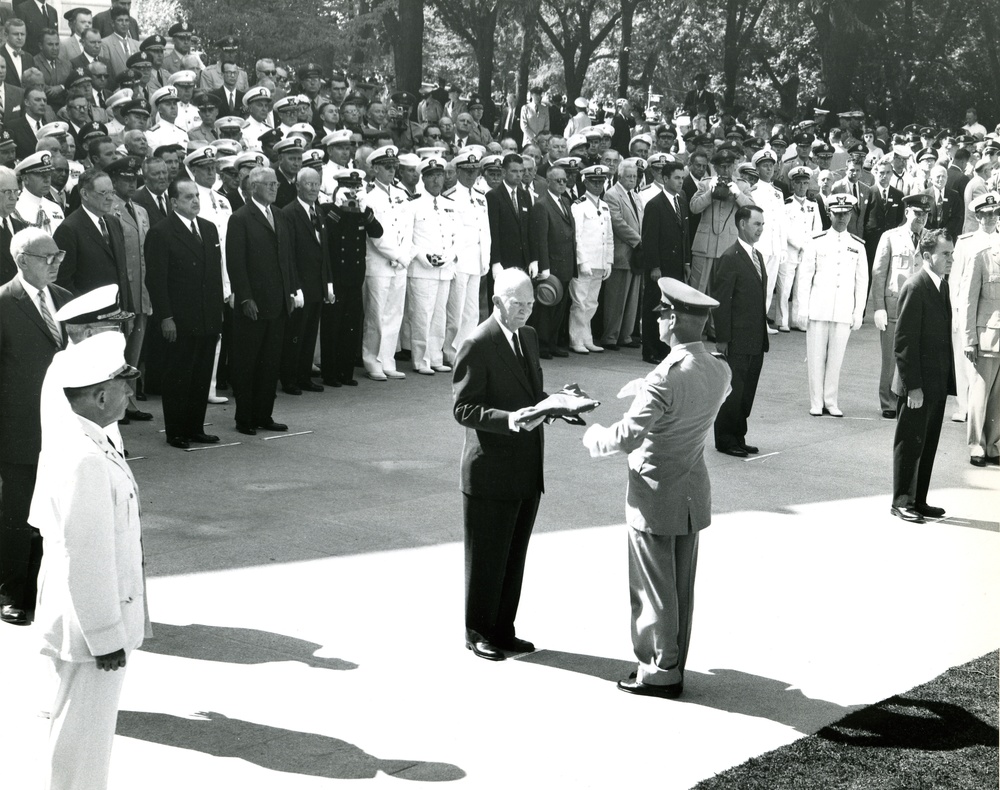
point(625, 53)
point(407, 45)
point(529, 39)
point(486, 53)
point(730, 54)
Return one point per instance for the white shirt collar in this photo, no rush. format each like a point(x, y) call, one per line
point(263, 209)
point(304, 205)
point(506, 332)
point(745, 246)
point(934, 278)
point(94, 218)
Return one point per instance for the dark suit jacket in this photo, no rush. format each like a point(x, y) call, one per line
point(184, 275)
point(12, 78)
point(286, 190)
point(104, 25)
point(311, 255)
point(220, 94)
point(949, 214)
point(922, 343)
point(623, 133)
point(141, 197)
point(90, 261)
point(509, 229)
point(859, 215)
point(552, 237)
point(13, 104)
point(81, 61)
point(26, 349)
point(489, 384)
point(740, 317)
point(8, 269)
point(884, 214)
point(689, 188)
point(666, 238)
point(35, 22)
point(957, 179)
point(258, 261)
point(24, 137)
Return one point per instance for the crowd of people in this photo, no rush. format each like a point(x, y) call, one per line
point(247, 232)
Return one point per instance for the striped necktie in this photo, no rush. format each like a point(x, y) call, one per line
point(43, 310)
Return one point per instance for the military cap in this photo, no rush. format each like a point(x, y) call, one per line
point(202, 156)
point(643, 137)
point(227, 43)
point(536, 89)
point(193, 145)
point(945, 134)
point(270, 137)
point(226, 163)
point(733, 148)
point(820, 111)
point(808, 125)
point(402, 99)
point(656, 160)
point(682, 298)
point(991, 147)
point(736, 131)
point(166, 93)
point(250, 159)
point(286, 103)
point(495, 161)
point(203, 101)
point(475, 101)
point(183, 77)
point(128, 78)
point(703, 141)
point(97, 359)
point(155, 41)
point(919, 202)
point(349, 176)
point(927, 131)
point(639, 162)
point(567, 162)
point(823, 149)
point(580, 103)
point(857, 148)
point(313, 157)
point(39, 162)
point(852, 115)
point(256, 93)
point(226, 147)
point(965, 139)
point(926, 153)
point(747, 169)
point(427, 87)
point(841, 203)
point(118, 98)
point(689, 135)
point(591, 132)
point(803, 138)
point(575, 141)
point(467, 160)
point(990, 202)
point(126, 167)
point(139, 60)
point(902, 151)
point(310, 71)
point(778, 139)
point(71, 15)
point(228, 122)
point(91, 131)
point(360, 100)
point(596, 172)
point(409, 160)
point(339, 137)
point(723, 157)
point(764, 155)
point(140, 106)
point(387, 155)
point(5, 138)
point(479, 149)
point(180, 29)
point(799, 172)
point(754, 142)
point(76, 77)
point(54, 129)
point(92, 307)
point(549, 292)
point(289, 145)
point(303, 129)
point(434, 164)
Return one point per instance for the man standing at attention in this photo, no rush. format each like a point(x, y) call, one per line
point(669, 501)
point(497, 378)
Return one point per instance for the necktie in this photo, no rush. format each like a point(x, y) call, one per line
point(945, 294)
point(635, 208)
point(194, 230)
point(916, 240)
point(52, 65)
point(270, 219)
point(104, 232)
point(43, 310)
point(513, 199)
point(131, 211)
point(758, 264)
point(520, 357)
point(315, 223)
point(161, 204)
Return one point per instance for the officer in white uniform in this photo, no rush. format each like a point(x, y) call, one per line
point(803, 222)
point(35, 174)
point(834, 278)
point(188, 117)
point(385, 268)
point(595, 257)
point(472, 247)
point(257, 103)
point(338, 151)
point(165, 131)
point(431, 270)
point(773, 243)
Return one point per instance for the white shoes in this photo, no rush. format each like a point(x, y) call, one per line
point(217, 399)
point(394, 374)
point(593, 348)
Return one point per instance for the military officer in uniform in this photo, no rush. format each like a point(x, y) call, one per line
point(803, 222)
point(33, 205)
point(896, 260)
point(387, 260)
point(834, 278)
point(595, 257)
point(166, 130)
point(668, 500)
point(181, 34)
point(772, 245)
point(257, 103)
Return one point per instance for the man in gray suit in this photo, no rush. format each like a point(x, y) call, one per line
point(621, 291)
point(552, 237)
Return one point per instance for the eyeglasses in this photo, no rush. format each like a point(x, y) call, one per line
point(51, 259)
point(103, 194)
point(558, 180)
point(10, 193)
point(270, 73)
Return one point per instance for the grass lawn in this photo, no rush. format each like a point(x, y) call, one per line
point(938, 736)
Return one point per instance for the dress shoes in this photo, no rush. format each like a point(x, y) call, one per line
point(816, 412)
point(394, 374)
point(332, 383)
point(514, 645)
point(441, 368)
point(424, 371)
point(750, 449)
point(610, 346)
point(593, 348)
point(203, 438)
point(291, 389)
point(559, 352)
point(978, 460)
point(579, 350)
point(652, 360)
point(784, 329)
point(138, 416)
point(736, 452)
point(889, 414)
point(910, 514)
point(634, 344)
point(179, 442)
point(929, 511)
point(217, 399)
point(772, 331)
point(310, 386)
point(633, 686)
point(377, 376)
point(485, 649)
point(248, 430)
point(271, 425)
point(544, 355)
point(833, 411)
point(958, 417)
point(14, 616)
point(349, 383)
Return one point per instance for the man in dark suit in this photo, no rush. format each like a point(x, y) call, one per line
point(699, 99)
point(622, 124)
point(666, 252)
point(24, 130)
point(497, 377)
point(739, 282)
point(55, 69)
point(289, 154)
point(948, 211)
point(29, 338)
point(885, 211)
point(14, 56)
point(851, 184)
point(224, 94)
point(508, 206)
point(152, 196)
point(311, 256)
point(184, 262)
point(265, 290)
point(9, 223)
point(104, 21)
point(553, 245)
point(698, 167)
point(925, 376)
point(37, 19)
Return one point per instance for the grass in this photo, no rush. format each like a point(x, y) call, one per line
point(938, 736)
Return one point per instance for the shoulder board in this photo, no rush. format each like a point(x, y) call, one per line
point(448, 197)
point(645, 187)
point(477, 189)
point(369, 187)
point(819, 235)
point(154, 127)
point(412, 197)
point(789, 199)
point(967, 235)
point(448, 193)
point(857, 238)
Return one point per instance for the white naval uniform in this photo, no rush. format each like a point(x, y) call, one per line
point(979, 298)
point(472, 246)
point(773, 243)
point(252, 131)
point(215, 208)
point(803, 223)
point(39, 212)
point(595, 255)
point(834, 278)
point(188, 117)
point(165, 133)
point(427, 286)
point(385, 277)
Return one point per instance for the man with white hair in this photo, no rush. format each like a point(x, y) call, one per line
point(948, 210)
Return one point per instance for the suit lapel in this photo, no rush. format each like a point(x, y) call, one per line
point(183, 232)
point(95, 234)
point(506, 353)
point(28, 308)
point(257, 214)
point(304, 219)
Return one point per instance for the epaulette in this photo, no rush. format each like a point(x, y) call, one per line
point(646, 186)
point(154, 127)
point(857, 238)
point(413, 196)
point(967, 235)
point(579, 200)
point(478, 190)
point(448, 193)
point(819, 235)
point(369, 187)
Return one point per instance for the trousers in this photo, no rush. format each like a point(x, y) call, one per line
point(383, 299)
point(826, 342)
point(461, 313)
point(584, 292)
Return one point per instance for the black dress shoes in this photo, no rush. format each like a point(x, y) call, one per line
point(633, 686)
point(514, 645)
point(978, 460)
point(544, 355)
point(271, 425)
point(485, 649)
point(889, 414)
point(736, 452)
point(559, 352)
point(929, 511)
point(310, 386)
point(349, 383)
point(138, 416)
point(249, 430)
point(291, 389)
point(611, 347)
point(652, 360)
point(203, 438)
point(910, 514)
point(14, 616)
point(179, 442)
point(750, 449)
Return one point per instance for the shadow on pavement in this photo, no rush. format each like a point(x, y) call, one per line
point(274, 748)
point(902, 723)
point(236, 646)
point(723, 689)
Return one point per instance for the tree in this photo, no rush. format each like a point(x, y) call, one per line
point(404, 27)
point(741, 22)
point(475, 22)
point(627, 11)
point(568, 27)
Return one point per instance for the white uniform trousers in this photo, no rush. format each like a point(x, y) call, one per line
point(984, 408)
point(383, 303)
point(621, 302)
point(826, 342)
point(965, 371)
point(584, 292)
point(461, 313)
point(771, 265)
point(426, 302)
point(82, 726)
point(661, 570)
point(786, 317)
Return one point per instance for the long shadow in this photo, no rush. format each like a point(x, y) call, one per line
point(723, 689)
point(236, 646)
point(274, 748)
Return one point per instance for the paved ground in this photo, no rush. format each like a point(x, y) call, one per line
point(307, 597)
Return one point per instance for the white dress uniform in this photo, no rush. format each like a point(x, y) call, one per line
point(252, 132)
point(834, 276)
point(385, 279)
point(215, 208)
point(434, 220)
point(773, 241)
point(472, 246)
point(39, 212)
point(188, 117)
point(595, 255)
point(803, 222)
point(648, 192)
point(979, 297)
point(165, 133)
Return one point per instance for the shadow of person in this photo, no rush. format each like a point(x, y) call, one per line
point(236, 646)
point(723, 689)
point(274, 748)
point(902, 723)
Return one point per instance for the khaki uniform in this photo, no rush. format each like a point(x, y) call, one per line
point(980, 299)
